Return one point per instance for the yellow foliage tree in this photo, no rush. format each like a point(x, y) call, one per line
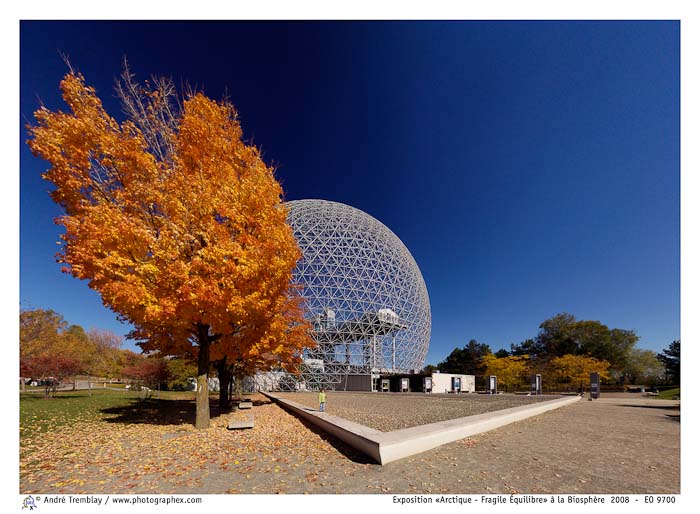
point(576, 369)
point(40, 332)
point(511, 371)
point(175, 222)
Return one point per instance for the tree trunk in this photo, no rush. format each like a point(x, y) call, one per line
point(204, 340)
point(238, 386)
point(224, 374)
point(230, 388)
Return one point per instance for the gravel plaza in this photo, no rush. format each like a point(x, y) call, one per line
point(394, 411)
point(568, 450)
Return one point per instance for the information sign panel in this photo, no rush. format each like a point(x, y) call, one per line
point(385, 385)
point(493, 384)
point(595, 385)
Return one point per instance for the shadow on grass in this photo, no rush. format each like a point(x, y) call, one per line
point(256, 402)
point(160, 412)
point(182, 412)
point(58, 396)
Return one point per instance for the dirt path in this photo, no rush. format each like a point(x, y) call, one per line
point(606, 446)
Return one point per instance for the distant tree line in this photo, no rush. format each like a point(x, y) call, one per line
point(565, 351)
point(52, 351)
point(671, 358)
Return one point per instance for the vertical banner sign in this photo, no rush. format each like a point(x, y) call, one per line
point(493, 384)
point(595, 385)
point(428, 385)
point(536, 384)
point(404, 385)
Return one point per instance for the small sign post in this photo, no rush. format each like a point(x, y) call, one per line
point(536, 384)
point(595, 385)
point(493, 384)
point(385, 385)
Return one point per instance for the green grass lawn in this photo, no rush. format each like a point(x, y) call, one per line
point(39, 414)
point(669, 394)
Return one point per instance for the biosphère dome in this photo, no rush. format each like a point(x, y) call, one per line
point(363, 292)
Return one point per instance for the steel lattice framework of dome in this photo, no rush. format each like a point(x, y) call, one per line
point(363, 291)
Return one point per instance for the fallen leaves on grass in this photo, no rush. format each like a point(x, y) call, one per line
point(96, 456)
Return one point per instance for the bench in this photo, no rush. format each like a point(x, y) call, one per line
point(240, 424)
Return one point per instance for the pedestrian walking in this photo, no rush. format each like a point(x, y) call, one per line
point(322, 400)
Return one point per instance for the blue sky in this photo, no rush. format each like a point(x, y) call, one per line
point(530, 167)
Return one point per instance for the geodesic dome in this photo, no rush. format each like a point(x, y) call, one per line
point(363, 291)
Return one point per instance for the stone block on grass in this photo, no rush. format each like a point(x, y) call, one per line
point(241, 423)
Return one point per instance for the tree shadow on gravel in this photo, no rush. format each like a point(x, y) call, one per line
point(662, 407)
point(669, 417)
point(159, 412)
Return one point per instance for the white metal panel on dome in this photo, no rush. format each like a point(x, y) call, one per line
point(363, 292)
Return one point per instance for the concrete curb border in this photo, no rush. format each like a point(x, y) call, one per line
point(358, 436)
point(385, 447)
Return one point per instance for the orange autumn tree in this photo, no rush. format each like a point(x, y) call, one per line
point(174, 221)
point(260, 346)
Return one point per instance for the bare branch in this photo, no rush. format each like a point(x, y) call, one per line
point(154, 108)
point(66, 60)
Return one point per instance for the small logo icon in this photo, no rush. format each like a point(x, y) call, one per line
point(29, 503)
